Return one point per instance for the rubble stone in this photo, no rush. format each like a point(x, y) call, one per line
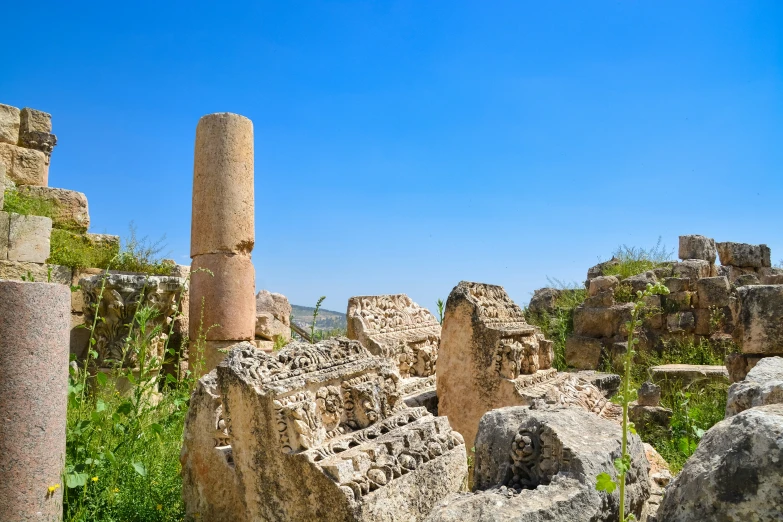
point(601, 322)
point(602, 283)
point(544, 300)
point(692, 269)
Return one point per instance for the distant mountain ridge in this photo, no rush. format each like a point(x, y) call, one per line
point(327, 319)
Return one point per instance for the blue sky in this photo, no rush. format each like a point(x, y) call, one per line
point(405, 146)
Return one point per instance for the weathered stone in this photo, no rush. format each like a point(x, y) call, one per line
point(228, 297)
point(697, 247)
point(15, 270)
point(639, 282)
point(28, 238)
point(273, 316)
point(491, 357)
point(599, 269)
point(536, 465)
point(115, 299)
point(210, 485)
point(9, 124)
point(713, 291)
point(41, 141)
point(763, 385)
point(649, 394)
point(544, 300)
point(583, 353)
point(69, 207)
point(34, 324)
point(608, 383)
point(601, 322)
point(33, 120)
point(687, 373)
point(735, 474)
point(676, 301)
point(223, 216)
point(5, 230)
point(602, 283)
point(603, 299)
point(677, 284)
point(326, 418)
point(770, 276)
point(660, 476)
point(744, 255)
point(692, 269)
point(645, 417)
point(681, 322)
point(24, 166)
point(748, 279)
point(739, 364)
point(759, 319)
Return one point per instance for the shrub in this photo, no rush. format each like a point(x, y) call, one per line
point(78, 251)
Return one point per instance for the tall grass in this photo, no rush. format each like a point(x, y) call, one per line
point(636, 260)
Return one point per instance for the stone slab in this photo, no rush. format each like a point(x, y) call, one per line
point(28, 238)
point(697, 247)
point(689, 373)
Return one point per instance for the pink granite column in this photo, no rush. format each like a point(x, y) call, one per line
point(222, 236)
point(34, 346)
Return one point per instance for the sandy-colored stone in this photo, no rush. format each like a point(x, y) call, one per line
point(15, 270)
point(228, 297)
point(33, 120)
point(692, 269)
point(24, 166)
point(583, 353)
point(601, 284)
point(273, 316)
point(762, 386)
point(34, 325)
point(759, 319)
point(223, 215)
point(697, 247)
point(744, 255)
point(70, 207)
point(28, 238)
point(9, 124)
point(601, 322)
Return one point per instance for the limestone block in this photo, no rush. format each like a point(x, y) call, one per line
point(703, 323)
point(583, 353)
point(676, 301)
point(5, 182)
point(490, 357)
point(34, 325)
point(600, 268)
point(763, 385)
point(41, 141)
point(697, 247)
point(15, 270)
point(735, 473)
point(603, 299)
point(270, 329)
point(327, 419)
point(9, 124)
point(681, 322)
point(678, 284)
point(5, 230)
point(744, 255)
point(692, 269)
point(739, 365)
point(273, 316)
point(394, 326)
point(223, 219)
point(35, 121)
point(228, 297)
point(536, 465)
point(28, 238)
point(770, 276)
point(70, 207)
point(24, 166)
point(750, 279)
point(602, 283)
point(601, 322)
point(687, 373)
point(759, 320)
point(713, 291)
point(639, 282)
point(544, 300)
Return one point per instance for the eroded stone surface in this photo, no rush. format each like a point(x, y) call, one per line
point(759, 324)
point(697, 247)
point(763, 385)
point(744, 255)
point(29, 238)
point(735, 474)
point(70, 207)
point(273, 316)
point(328, 418)
point(542, 465)
point(490, 357)
point(9, 124)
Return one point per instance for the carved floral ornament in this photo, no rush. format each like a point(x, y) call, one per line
point(116, 306)
point(494, 304)
point(389, 313)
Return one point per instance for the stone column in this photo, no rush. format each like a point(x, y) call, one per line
point(222, 294)
point(34, 348)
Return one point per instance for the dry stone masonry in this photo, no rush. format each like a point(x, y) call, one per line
point(490, 357)
point(327, 419)
point(395, 327)
point(222, 304)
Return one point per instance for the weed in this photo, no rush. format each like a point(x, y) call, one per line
point(315, 317)
point(636, 260)
point(78, 251)
point(441, 307)
point(142, 255)
point(26, 205)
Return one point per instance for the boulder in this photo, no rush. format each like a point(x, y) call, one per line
point(536, 465)
point(763, 385)
point(602, 283)
point(759, 319)
point(697, 247)
point(543, 300)
point(735, 473)
point(744, 255)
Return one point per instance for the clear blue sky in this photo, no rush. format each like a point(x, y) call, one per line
point(405, 146)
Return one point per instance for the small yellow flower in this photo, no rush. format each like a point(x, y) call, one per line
point(54, 488)
point(159, 507)
point(116, 490)
point(95, 479)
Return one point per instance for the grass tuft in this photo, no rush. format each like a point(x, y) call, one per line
point(636, 260)
point(26, 205)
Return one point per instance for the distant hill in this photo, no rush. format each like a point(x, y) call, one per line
point(327, 319)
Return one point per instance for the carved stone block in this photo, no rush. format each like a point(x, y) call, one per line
point(328, 418)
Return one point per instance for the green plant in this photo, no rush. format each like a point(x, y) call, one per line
point(142, 255)
point(78, 251)
point(635, 260)
point(20, 203)
point(626, 396)
point(315, 317)
point(441, 306)
point(280, 343)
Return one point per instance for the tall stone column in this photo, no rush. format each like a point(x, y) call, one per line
point(35, 321)
point(222, 293)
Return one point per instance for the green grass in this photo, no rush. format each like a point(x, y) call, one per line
point(635, 260)
point(27, 205)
